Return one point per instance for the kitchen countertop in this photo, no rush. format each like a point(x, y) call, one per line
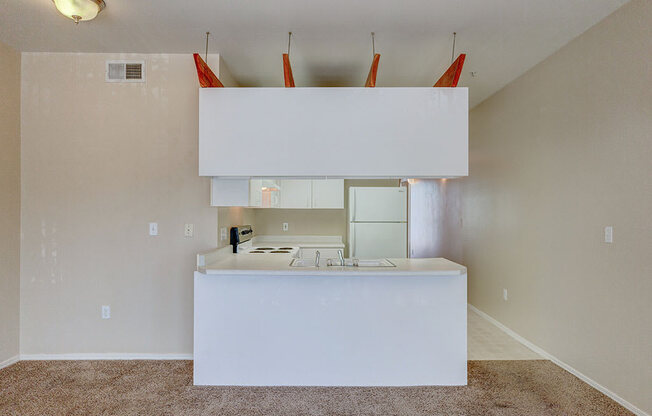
point(251, 264)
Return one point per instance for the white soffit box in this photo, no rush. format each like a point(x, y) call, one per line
point(333, 132)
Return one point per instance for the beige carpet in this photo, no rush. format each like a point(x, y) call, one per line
point(165, 388)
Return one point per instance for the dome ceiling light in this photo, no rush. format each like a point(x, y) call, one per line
point(80, 10)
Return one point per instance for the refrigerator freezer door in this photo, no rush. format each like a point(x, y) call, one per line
point(381, 204)
point(378, 240)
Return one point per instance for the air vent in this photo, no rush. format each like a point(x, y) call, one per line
point(125, 71)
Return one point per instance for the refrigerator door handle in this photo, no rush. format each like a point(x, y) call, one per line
point(352, 242)
point(352, 204)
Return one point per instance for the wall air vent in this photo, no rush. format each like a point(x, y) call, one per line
point(125, 71)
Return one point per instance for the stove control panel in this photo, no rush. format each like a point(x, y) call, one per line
point(240, 234)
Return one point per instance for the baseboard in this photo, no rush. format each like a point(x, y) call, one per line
point(561, 364)
point(9, 361)
point(105, 356)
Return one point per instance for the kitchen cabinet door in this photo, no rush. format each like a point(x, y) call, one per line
point(328, 193)
point(264, 193)
point(296, 193)
point(229, 192)
point(256, 193)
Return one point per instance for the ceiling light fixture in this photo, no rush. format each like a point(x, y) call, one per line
point(80, 10)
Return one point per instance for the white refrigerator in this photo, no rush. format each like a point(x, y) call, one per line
point(377, 222)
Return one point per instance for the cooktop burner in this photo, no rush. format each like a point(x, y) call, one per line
point(269, 250)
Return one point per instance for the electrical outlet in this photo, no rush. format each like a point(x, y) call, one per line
point(223, 234)
point(505, 295)
point(106, 312)
point(188, 230)
point(609, 234)
point(153, 228)
point(285, 226)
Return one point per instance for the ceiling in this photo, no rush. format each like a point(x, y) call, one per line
point(331, 45)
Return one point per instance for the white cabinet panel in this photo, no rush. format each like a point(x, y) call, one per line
point(229, 192)
point(293, 193)
point(296, 193)
point(256, 193)
point(328, 193)
point(264, 193)
point(378, 132)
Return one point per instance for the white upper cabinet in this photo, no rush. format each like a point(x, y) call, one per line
point(296, 193)
point(333, 132)
point(264, 193)
point(328, 193)
point(226, 192)
point(256, 193)
point(275, 193)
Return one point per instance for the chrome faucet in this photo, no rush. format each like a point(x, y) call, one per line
point(339, 253)
point(317, 258)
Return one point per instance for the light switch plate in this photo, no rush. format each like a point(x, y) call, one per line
point(153, 228)
point(223, 234)
point(505, 298)
point(106, 312)
point(285, 226)
point(188, 230)
point(609, 234)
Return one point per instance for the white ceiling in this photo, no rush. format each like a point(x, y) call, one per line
point(331, 44)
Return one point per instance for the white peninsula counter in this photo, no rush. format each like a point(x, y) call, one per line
point(260, 321)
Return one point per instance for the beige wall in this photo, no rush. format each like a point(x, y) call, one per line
point(99, 161)
point(300, 221)
point(556, 156)
point(9, 202)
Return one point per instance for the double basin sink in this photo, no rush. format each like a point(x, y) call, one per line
point(337, 263)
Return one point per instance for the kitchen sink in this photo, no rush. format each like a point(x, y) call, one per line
point(347, 263)
point(306, 263)
point(370, 263)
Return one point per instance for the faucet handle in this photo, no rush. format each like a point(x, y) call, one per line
point(341, 256)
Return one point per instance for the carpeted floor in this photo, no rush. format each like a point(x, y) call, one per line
point(165, 388)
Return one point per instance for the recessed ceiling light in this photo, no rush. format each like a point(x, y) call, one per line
point(80, 10)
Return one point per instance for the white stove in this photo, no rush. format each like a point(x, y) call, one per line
point(243, 244)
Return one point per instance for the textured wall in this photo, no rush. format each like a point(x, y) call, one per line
point(300, 221)
point(99, 161)
point(9, 202)
point(556, 156)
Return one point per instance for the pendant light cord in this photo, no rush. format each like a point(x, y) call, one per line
point(206, 55)
point(453, 53)
point(373, 44)
point(289, 40)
